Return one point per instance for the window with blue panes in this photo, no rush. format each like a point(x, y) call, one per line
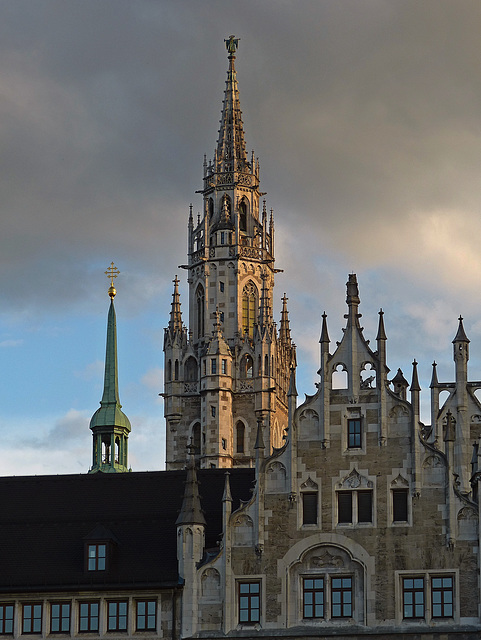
point(60, 617)
point(313, 598)
point(32, 618)
point(88, 616)
point(413, 598)
point(341, 597)
point(6, 619)
point(146, 615)
point(249, 602)
point(117, 615)
point(442, 596)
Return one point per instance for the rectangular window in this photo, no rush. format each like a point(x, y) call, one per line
point(309, 508)
point(224, 367)
point(117, 616)
point(212, 411)
point(413, 597)
point(221, 316)
point(221, 287)
point(222, 237)
point(6, 619)
point(442, 596)
point(213, 366)
point(344, 506)
point(97, 554)
point(354, 507)
point(313, 598)
point(400, 505)
point(224, 444)
point(32, 618)
point(354, 433)
point(341, 597)
point(146, 615)
point(60, 617)
point(88, 616)
point(364, 506)
point(249, 602)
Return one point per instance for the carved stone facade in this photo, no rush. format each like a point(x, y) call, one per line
point(365, 522)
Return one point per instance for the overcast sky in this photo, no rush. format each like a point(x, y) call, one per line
point(366, 117)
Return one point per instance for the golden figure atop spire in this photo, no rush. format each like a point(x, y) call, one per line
point(111, 273)
point(231, 44)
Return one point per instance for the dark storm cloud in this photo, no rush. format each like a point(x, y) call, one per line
point(365, 116)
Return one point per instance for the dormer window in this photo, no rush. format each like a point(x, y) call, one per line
point(96, 557)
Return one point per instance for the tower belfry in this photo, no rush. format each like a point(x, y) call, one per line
point(109, 424)
point(230, 368)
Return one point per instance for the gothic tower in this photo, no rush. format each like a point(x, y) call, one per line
point(232, 367)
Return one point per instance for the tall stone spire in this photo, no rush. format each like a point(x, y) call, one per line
point(285, 331)
point(175, 322)
point(231, 152)
point(109, 424)
point(191, 510)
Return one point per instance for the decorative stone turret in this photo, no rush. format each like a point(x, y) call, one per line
point(109, 424)
point(190, 546)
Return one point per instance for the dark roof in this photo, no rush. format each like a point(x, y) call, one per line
point(45, 522)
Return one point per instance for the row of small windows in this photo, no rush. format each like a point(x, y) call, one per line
point(355, 507)
point(190, 367)
point(88, 616)
point(327, 596)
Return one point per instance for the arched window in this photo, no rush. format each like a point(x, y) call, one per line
point(190, 370)
point(266, 365)
point(243, 215)
point(176, 370)
point(200, 303)
point(247, 367)
point(169, 370)
point(240, 437)
point(249, 308)
point(211, 208)
point(196, 439)
point(106, 449)
point(117, 450)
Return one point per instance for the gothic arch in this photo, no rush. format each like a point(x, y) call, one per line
point(325, 555)
point(246, 366)
point(276, 477)
point(190, 369)
point(196, 438)
point(339, 376)
point(309, 425)
point(199, 310)
point(240, 436)
point(243, 210)
point(250, 304)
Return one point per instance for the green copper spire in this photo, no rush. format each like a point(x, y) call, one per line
point(109, 424)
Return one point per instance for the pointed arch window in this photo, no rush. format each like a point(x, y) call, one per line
point(247, 367)
point(190, 369)
point(196, 438)
point(199, 303)
point(243, 215)
point(249, 308)
point(240, 437)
